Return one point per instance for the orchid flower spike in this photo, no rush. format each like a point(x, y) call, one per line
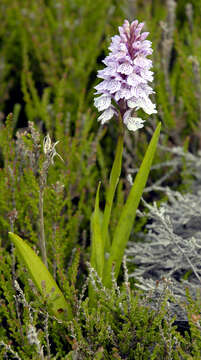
point(126, 77)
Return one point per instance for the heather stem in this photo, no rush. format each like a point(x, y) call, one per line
point(50, 153)
point(42, 231)
point(42, 184)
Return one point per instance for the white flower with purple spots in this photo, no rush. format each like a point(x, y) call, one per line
point(126, 76)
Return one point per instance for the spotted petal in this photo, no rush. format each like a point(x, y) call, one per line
point(143, 103)
point(125, 68)
point(132, 123)
point(102, 102)
point(106, 115)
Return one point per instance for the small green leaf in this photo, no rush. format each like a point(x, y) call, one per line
point(128, 213)
point(42, 278)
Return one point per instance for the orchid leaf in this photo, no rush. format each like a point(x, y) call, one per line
point(42, 278)
point(127, 216)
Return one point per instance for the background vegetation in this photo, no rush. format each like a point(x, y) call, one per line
point(50, 51)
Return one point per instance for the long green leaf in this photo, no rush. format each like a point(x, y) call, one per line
point(127, 217)
point(97, 246)
point(42, 278)
point(114, 179)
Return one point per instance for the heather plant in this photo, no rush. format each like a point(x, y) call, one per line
point(127, 85)
point(173, 237)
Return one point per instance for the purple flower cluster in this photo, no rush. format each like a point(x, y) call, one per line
point(126, 77)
